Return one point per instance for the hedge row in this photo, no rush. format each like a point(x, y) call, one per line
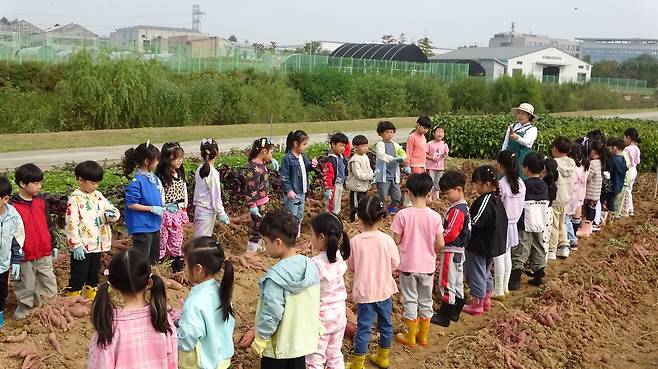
point(482, 136)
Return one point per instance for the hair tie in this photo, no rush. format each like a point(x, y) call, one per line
point(148, 143)
point(206, 141)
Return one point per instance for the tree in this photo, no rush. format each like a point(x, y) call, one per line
point(312, 47)
point(258, 47)
point(272, 47)
point(402, 39)
point(388, 39)
point(232, 38)
point(425, 44)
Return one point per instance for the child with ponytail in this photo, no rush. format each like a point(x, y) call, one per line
point(144, 200)
point(512, 193)
point(631, 139)
point(488, 239)
point(140, 334)
point(207, 201)
point(172, 175)
point(258, 186)
point(333, 243)
point(205, 327)
point(294, 174)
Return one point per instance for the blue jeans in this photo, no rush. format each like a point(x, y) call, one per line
point(477, 271)
point(571, 235)
point(392, 188)
point(295, 206)
point(365, 315)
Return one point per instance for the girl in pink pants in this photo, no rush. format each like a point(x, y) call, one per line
point(330, 238)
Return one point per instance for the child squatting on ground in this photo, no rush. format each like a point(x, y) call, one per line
point(373, 260)
point(418, 231)
point(288, 325)
point(88, 231)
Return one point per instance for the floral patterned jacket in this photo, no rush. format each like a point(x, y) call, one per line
point(87, 221)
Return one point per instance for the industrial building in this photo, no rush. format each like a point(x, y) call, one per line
point(148, 38)
point(513, 39)
point(546, 64)
point(617, 49)
point(199, 46)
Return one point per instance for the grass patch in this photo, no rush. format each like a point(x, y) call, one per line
point(77, 139)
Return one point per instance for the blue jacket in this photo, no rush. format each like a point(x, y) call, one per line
point(291, 173)
point(618, 170)
point(201, 327)
point(12, 236)
point(144, 190)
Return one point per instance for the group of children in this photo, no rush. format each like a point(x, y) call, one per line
point(514, 224)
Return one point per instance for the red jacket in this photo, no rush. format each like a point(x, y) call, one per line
point(39, 229)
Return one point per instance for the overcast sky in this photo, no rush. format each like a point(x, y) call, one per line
point(448, 24)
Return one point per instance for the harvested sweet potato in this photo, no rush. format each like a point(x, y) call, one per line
point(32, 361)
point(170, 283)
point(17, 339)
point(52, 338)
point(246, 339)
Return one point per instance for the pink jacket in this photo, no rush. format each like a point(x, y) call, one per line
point(135, 344)
point(374, 256)
point(579, 187)
point(438, 151)
point(416, 149)
point(332, 287)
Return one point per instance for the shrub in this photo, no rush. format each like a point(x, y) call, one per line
point(426, 96)
point(469, 95)
point(380, 96)
point(508, 92)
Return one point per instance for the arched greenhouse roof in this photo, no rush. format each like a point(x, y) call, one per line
point(399, 52)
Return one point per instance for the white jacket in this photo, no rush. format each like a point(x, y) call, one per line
point(359, 174)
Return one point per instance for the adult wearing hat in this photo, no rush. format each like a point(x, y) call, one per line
point(521, 135)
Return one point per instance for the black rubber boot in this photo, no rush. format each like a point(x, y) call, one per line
point(177, 264)
point(442, 317)
point(515, 280)
point(576, 224)
point(538, 280)
point(459, 305)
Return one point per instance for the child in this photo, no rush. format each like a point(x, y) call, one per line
point(140, 334)
point(294, 174)
point(207, 200)
point(417, 145)
point(335, 172)
point(258, 186)
point(88, 231)
point(631, 139)
point(456, 235)
point(532, 225)
point(488, 239)
point(144, 200)
point(373, 260)
point(437, 152)
point(360, 175)
point(521, 136)
point(618, 170)
point(592, 187)
point(389, 157)
point(287, 316)
point(171, 173)
point(550, 177)
point(512, 193)
point(205, 327)
point(37, 278)
point(559, 243)
point(419, 233)
point(333, 243)
point(12, 237)
point(574, 210)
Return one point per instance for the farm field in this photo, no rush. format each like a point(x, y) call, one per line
point(605, 293)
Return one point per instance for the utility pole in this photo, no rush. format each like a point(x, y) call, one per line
point(196, 17)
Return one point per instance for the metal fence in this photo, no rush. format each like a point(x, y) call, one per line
point(624, 85)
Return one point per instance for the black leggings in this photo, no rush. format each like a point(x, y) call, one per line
point(84, 271)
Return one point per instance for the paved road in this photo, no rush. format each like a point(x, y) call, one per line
point(47, 159)
point(649, 115)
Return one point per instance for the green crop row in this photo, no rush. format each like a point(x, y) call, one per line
point(482, 136)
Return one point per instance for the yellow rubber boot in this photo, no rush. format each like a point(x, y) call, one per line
point(73, 293)
point(423, 336)
point(409, 338)
point(357, 362)
point(380, 358)
point(90, 292)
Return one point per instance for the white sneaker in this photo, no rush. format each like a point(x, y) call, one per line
point(563, 252)
point(551, 255)
point(596, 227)
point(254, 246)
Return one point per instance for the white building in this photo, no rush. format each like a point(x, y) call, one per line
point(140, 38)
point(546, 64)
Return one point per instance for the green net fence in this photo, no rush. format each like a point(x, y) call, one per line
point(624, 85)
